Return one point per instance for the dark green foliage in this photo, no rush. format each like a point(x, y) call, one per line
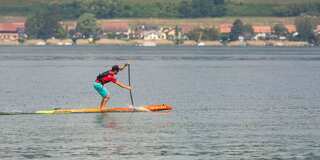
point(44, 25)
point(317, 39)
point(195, 34)
point(178, 36)
point(202, 8)
point(236, 30)
point(199, 34)
point(207, 8)
point(210, 34)
point(280, 30)
point(166, 9)
point(69, 10)
point(87, 25)
point(297, 9)
point(240, 29)
point(305, 27)
point(101, 8)
point(185, 9)
point(247, 31)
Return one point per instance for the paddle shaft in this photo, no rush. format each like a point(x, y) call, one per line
point(129, 79)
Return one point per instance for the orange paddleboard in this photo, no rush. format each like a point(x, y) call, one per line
point(146, 108)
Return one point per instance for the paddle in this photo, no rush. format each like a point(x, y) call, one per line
point(129, 79)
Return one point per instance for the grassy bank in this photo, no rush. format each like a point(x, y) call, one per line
point(207, 21)
point(193, 22)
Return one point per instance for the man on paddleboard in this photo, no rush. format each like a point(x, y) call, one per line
point(106, 77)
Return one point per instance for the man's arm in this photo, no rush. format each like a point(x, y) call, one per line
point(123, 85)
point(123, 66)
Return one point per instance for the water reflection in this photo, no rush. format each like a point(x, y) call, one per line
point(106, 121)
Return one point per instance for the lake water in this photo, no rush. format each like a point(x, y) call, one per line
point(229, 103)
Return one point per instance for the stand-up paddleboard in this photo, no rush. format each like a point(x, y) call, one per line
point(147, 108)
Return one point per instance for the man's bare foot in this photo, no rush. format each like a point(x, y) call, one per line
point(102, 109)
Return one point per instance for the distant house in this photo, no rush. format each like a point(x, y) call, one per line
point(317, 29)
point(68, 25)
point(261, 32)
point(118, 30)
point(11, 30)
point(291, 28)
point(153, 35)
point(225, 28)
point(116, 27)
point(146, 32)
point(148, 27)
point(169, 33)
point(262, 29)
point(186, 28)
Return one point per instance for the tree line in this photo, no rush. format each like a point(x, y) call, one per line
point(164, 9)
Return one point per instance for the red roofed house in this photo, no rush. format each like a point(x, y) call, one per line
point(186, 28)
point(261, 31)
point(117, 28)
point(291, 28)
point(10, 30)
point(225, 28)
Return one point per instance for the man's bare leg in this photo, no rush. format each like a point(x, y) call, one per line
point(103, 103)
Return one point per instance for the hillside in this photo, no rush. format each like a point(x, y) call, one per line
point(71, 9)
point(274, 2)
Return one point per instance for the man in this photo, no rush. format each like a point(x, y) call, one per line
point(106, 77)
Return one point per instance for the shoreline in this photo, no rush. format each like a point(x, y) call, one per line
point(154, 43)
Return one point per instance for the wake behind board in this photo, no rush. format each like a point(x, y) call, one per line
point(147, 108)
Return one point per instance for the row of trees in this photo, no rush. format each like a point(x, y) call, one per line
point(305, 31)
point(182, 9)
point(116, 8)
point(45, 25)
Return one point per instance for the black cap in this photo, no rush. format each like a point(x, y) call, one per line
point(115, 68)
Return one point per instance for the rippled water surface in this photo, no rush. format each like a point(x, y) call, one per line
point(229, 103)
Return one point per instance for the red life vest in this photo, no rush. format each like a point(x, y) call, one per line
point(106, 77)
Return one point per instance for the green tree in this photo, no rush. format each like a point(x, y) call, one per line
point(61, 33)
point(208, 34)
point(236, 30)
point(177, 35)
point(305, 27)
point(195, 34)
point(247, 31)
point(87, 25)
point(280, 30)
point(207, 8)
point(185, 9)
point(102, 8)
point(44, 25)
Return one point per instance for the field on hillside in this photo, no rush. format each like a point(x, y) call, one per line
point(193, 22)
point(207, 21)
